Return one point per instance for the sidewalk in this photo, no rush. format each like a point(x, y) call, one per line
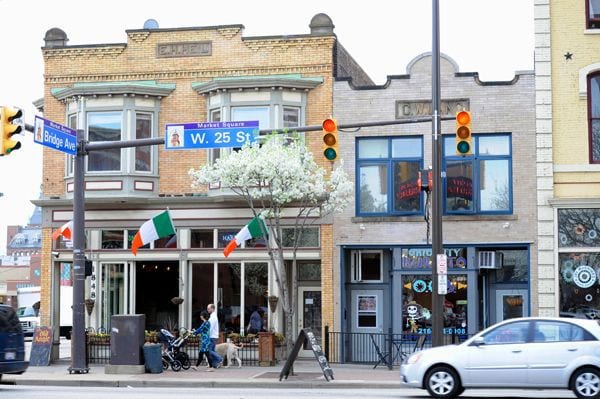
point(307, 374)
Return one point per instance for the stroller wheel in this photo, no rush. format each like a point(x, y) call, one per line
point(175, 365)
point(165, 364)
point(184, 359)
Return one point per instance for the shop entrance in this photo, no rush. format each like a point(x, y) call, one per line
point(156, 284)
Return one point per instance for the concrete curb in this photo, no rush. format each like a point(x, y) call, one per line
point(303, 384)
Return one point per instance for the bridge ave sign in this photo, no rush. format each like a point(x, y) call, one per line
point(54, 135)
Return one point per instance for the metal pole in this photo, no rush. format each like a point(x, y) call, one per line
point(437, 300)
point(78, 357)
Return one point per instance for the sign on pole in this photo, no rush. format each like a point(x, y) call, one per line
point(54, 135)
point(185, 136)
point(442, 264)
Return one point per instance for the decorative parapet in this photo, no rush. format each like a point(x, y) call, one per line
point(76, 52)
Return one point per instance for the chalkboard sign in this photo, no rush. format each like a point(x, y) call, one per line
point(41, 346)
point(306, 335)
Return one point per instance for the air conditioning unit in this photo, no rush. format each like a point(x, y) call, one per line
point(489, 260)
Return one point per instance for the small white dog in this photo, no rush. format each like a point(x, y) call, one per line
point(229, 351)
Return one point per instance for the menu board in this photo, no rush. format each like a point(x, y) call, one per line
point(306, 335)
point(41, 347)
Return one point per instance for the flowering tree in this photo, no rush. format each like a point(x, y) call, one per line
point(280, 177)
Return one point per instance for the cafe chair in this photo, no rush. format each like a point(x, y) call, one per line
point(383, 357)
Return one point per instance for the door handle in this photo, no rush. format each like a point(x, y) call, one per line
point(572, 349)
point(517, 351)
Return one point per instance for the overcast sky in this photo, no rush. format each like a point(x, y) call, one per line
point(494, 38)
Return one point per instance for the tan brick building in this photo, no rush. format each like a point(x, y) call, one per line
point(130, 91)
point(568, 156)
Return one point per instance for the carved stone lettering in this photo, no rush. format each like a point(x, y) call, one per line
point(423, 108)
point(183, 49)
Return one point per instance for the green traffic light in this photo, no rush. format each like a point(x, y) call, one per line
point(463, 147)
point(330, 154)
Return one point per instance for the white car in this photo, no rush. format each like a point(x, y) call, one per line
point(529, 352)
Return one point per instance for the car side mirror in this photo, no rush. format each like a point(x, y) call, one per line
point(478, 341)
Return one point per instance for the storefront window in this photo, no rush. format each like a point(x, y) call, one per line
point(202, 239)
point(228, 297)
point(112, 239)
point(255, 295)
point(579, 284)
point(203, 282)
point(579, 227)
point(416, 309)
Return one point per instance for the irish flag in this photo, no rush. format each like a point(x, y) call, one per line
point(159, 226)
point(254, 229)
point(65, 230)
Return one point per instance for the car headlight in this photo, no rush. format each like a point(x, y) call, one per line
point(414, 358)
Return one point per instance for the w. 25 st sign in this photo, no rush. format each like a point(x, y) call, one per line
point(210, 134)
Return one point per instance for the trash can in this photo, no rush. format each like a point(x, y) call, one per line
point(153, 358)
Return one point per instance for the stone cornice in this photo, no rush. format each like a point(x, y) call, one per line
point(110, 50)
point(57, 80)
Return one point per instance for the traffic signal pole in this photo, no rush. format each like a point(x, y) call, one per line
point(78, 347)
point(437, 299)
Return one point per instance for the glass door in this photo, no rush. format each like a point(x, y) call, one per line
point(112, 292)
point(511, 304)
point(309, 313)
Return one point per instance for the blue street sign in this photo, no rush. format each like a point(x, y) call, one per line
point(56, 136)
point(185, 136)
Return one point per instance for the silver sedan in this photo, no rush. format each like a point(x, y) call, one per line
point(530, 352)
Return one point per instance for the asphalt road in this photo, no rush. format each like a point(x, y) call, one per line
point(26, 392)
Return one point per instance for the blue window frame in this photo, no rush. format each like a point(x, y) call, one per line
point(480, 183)
point(386, 175)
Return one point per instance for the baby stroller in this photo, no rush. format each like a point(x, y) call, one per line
point(172, 354)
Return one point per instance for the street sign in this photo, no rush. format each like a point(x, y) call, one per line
point(185, 136)
point(442, 264)
point(55, 136)
point(442, 284)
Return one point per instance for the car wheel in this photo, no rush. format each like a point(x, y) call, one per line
point(585, 383)
point(442, 382)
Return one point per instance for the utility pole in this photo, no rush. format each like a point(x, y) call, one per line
point(437, 300)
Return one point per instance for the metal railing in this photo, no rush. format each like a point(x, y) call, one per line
point(98, 348)
point(345, 347)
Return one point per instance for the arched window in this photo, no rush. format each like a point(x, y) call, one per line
point(593, 98)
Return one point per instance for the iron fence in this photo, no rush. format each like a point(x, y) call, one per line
point(373, 348)
point(98, 348)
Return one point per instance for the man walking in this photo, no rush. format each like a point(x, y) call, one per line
point(214, 334)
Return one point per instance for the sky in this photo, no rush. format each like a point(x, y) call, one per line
point(493, 38)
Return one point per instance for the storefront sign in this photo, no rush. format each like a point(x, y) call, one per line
point(423, 108)
point(459, 186)
point(183, 49)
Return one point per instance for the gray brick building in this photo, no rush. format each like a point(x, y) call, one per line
point(489, 210)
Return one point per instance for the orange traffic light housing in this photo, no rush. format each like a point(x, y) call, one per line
point(464, 139)
point(330, 139)
point(8, 129)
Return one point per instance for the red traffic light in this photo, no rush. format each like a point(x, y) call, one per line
point(329, 125)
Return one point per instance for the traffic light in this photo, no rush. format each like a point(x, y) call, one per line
point(8, 128)
point(330, 139)
point(464, 140)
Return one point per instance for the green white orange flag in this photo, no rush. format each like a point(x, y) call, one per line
point(65, 231)
point(254, 229)
point(159, 226)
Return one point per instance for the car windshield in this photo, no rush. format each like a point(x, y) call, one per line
point(26, 312)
